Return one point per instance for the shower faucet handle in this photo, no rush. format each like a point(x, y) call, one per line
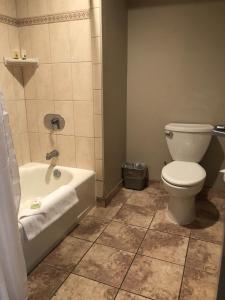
point(55, 123)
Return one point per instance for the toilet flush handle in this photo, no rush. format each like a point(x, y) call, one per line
point(168, 133)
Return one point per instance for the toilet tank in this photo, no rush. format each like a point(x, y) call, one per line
point(188, 142)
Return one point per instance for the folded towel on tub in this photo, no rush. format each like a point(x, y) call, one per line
point(52, 208)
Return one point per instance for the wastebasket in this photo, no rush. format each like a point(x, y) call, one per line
point(135, 175)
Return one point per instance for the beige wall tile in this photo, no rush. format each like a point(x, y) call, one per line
point(37, 8)
point(96, 50)
point(32, 115)
point(96, 22)
point(17, 116)
point(6, 82)
point(25, 39)
point(13, 38)
point(97, 95)
point(4, 45)
point(59, 42)
point(22, 8)
point(29, 82)
point(85, 153)
point(83, 117)
point(98, 125)
point(3, 9)
point(43, 82)
point(35, 147)
point(58, 6)
point(95, 3)
point(21, 116)
point(65, 109)
point(11, 8)
point(25, 148)
point(99, 169)
point(82, 81)
point(62, 81)
point(40, 42)
point(98, 148)
point(66, 148)
point(97, 76)
point(44, 107)
point(80, 40)
point(99, 188)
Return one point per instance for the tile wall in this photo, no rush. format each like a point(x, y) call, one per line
point(68, 81)
point(11, 84)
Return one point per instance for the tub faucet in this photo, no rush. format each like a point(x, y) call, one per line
point(53, 153)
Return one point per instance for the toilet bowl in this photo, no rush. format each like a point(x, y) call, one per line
point(184, 177)
point(183, 181)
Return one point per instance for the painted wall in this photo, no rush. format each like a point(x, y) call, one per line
point(114, 24)
point(175, 74)
point(11, 83)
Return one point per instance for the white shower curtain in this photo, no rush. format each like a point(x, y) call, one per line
point(12, 266)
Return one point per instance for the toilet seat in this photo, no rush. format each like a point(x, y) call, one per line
point(184, 174)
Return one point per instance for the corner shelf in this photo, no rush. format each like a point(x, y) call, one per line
point(20, 62)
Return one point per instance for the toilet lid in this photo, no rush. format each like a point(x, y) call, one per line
point(182, 173)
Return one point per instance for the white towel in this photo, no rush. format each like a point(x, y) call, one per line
point(52, 208)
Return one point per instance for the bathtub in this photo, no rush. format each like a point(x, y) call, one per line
point(37, 181)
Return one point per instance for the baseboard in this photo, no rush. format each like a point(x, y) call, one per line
point(105, 200)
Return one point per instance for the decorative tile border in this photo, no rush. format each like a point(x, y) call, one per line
point(8, 20)
point(54, 18)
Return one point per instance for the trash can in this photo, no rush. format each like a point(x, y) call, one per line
point(135, 175)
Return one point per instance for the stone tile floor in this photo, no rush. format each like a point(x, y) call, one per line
point(131, 250)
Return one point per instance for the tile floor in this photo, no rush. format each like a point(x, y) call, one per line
point(131, 250)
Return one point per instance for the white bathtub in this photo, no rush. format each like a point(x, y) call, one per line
point(37, 181)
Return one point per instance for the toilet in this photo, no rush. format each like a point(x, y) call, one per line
point(184, 177)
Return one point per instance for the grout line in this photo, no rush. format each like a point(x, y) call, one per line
point(52, 294)
point(135, 293)
point(61, 62)
point(107, 284)
point(170, 233)
point(204, 240)
point(132, 225)
point(182, 278)
point(207, 241)
point(72, 269)
point(134, 257)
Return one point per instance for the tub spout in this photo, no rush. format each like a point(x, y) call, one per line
point(53, 153)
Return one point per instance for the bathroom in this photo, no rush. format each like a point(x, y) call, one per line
point(89, 85)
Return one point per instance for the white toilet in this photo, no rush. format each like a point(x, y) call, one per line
point(184, 177)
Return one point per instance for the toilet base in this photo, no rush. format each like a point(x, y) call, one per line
point(182, 209)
